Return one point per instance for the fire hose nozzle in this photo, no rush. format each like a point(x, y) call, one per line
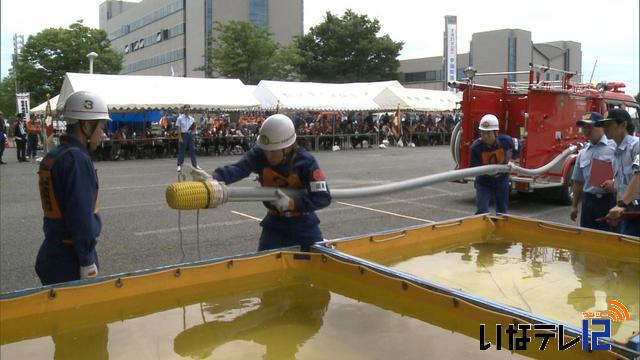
point(192, 195)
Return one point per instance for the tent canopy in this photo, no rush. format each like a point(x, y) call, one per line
point(127, 93)
point(320, 96)
point(42, 108)
point(416, 99)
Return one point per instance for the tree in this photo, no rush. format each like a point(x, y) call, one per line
point(245, 51)
point(8, 95)
point(285, 64)
point(48, 55)
point(638, 97)
point(348, 48)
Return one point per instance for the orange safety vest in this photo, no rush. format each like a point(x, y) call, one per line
point(50, 206)
point(272, 178)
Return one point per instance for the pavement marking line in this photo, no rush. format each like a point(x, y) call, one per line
point(132, 205)
point(385, 212)
point(245, 215)
point(190, 227)
point(539, 214)
point(133, 187)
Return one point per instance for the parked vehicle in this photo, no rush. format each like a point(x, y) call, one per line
point(542, 114)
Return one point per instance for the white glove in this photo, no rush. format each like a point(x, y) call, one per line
point(282, 203)
point(88, 272)
point(201, 175)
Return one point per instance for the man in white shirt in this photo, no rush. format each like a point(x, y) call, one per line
point(186, 126)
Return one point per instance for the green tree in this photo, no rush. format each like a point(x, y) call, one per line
point(638, 97)
point(285, 64)
point(348, 48)
point(245, 51)
point(48, 55)
point(8, 96)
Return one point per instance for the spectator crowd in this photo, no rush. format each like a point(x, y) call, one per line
point(233, 135)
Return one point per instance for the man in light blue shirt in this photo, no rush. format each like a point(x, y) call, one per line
point(186, 126)
point(618, 126)
point(596, 201)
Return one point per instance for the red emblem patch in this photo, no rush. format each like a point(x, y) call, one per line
point(318, 175)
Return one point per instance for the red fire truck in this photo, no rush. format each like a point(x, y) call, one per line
point(542, 114)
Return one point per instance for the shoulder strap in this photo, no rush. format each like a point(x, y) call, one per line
point(47, 163)
point(292, 160)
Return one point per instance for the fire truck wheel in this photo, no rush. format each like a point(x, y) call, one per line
point(566, 191)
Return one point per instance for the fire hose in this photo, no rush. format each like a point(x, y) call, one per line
point(191, 195)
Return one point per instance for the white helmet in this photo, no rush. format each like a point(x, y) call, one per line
point(85, 105)
point(277, 132)
point(489, 122)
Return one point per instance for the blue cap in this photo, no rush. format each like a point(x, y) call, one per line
point(590, 118)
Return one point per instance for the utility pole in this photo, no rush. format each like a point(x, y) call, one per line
point(18, 43)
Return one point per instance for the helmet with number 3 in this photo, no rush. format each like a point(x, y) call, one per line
point(85, 105)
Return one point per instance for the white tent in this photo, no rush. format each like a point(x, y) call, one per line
point(134, 92)
point(372, 89)
point(319, 96)
point(42, 108)
point(416, 99)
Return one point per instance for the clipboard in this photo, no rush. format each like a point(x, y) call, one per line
point(601, 171)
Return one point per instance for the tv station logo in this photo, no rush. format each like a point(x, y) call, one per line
point(521, 335)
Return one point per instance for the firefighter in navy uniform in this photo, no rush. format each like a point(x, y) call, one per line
point(492, 149)
point(69, 192)
point(279, 162)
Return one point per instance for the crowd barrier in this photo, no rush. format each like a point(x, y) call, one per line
point(166, 147)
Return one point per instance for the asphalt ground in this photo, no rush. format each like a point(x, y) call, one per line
point(140, 231)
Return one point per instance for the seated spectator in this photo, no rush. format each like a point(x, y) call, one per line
point(122, 143)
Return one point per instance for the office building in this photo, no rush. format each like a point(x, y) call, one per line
point(505, 50)
point(168, 37)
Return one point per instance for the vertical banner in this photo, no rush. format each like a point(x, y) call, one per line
point(23, 104)
point(451, 49)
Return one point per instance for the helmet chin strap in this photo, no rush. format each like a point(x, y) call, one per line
point(88, 137)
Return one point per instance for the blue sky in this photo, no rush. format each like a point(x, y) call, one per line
point(607, 31)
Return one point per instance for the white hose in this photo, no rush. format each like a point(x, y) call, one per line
point(454, 143)
point(543, 169)
point(268, 194)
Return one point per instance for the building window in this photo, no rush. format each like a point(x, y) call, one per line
point(165, 58)
point(259, 13)
point(567, 62)
point(208, 17)
point(415, 76)
point(147, 19)
point(512, 59)
point(208, 32)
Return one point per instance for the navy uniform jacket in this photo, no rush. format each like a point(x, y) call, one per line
point(69, 194)
point(299, 171)
point(505, 148)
